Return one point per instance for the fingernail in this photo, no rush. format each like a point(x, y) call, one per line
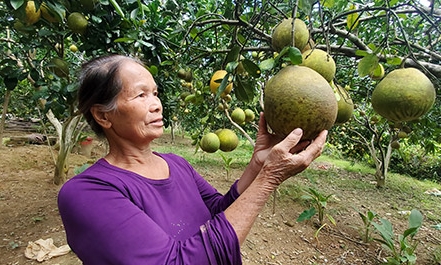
point(298, 131)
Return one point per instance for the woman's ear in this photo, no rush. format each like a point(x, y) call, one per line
point(100, 117)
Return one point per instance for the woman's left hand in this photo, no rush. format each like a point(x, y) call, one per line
point(265, 142)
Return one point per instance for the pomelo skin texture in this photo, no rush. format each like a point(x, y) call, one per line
point(281, 36)
point(345, 105)
point(228, 140)
point(210, 142)
point(403, 95)
point(321, 62)
point(299, 97)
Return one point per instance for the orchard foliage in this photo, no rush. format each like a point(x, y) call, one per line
point(206, 35)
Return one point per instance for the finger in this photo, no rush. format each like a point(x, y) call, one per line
point(300, 146)
point(262, 124)
point(291, 140)
point(318, 144)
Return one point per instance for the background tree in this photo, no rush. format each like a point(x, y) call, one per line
point(204, 36)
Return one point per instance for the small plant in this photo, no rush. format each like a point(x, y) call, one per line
point(405, 253)
point(367, 219)
point(319, 202)
point(437, 255)
point(227, 164)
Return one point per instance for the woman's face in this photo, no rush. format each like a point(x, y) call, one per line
point(138, 117)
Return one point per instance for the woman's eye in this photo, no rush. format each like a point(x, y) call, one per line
point(155, 93)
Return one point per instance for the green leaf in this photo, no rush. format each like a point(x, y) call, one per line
point(233, 54)
point(306, 5)
point(394, 61)
point(331, 219)
point(410, 232)
point(353, 18)
point(223, 84)
point(267, 64)
point(10, 82)
point(386, 232)
point(367, 64)
point(295, 55)
point(126, 40)
point(415, 219)
point(35, 75)
point(118, 9)
point(153, 70)
point(361, 53)
point(371, 215)
point(72, 87)
point(328, 3)
point(244, 90)
point(251, 68)
point(16, 4)
point(231, 66)
point(372, 46)
point(306, 215)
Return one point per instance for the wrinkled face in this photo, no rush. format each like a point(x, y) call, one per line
point(138, 117)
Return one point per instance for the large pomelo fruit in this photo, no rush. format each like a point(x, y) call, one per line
point(403, 95)
point(282, 34)
point(298, 96)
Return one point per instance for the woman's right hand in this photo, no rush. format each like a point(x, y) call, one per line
point(286, 160)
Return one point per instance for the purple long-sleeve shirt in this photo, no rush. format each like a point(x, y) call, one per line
point(114, 216)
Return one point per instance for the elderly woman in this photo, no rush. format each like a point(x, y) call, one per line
point(137, 206)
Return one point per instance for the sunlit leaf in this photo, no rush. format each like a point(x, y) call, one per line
point(353, 18)
point(295, 55)
point(267, 64)
point(153, 70)
point(361, 53)
point(16, 4)
point(394, 61)
point(367, 64)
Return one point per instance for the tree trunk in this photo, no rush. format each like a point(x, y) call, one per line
point(68, 135)
point(5, 111)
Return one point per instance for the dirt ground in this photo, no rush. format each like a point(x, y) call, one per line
point(28, 212)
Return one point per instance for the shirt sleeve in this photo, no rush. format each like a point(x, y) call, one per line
point(104, 227)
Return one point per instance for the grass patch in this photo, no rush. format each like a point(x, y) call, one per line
point(343, 178)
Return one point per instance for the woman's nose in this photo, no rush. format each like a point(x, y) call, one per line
point(156, 106)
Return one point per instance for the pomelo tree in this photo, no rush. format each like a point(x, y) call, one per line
point(204, 36)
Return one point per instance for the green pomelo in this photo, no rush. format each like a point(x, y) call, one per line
point(238, 115)
point(403, 95)
point(210, 143)
point(228, 140)
point(77, 22)
point(59, 67)
point(345, 105)
point(249, 115)
point(321, 62)
point(299, 97)
point(282, 34)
